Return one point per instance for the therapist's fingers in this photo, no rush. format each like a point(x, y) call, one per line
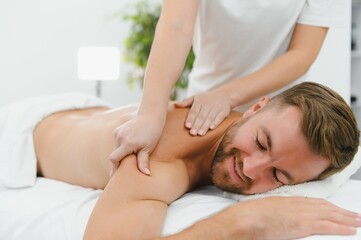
point(215, 117)
point(193, 114)
point(205, 126)
point(116, 157)
point(209, 118)
point(207, 122)
point(200, 119)
point(119, 153)
point(142, 159)
point(187, 102)
point(218, 119)
point(113, 168)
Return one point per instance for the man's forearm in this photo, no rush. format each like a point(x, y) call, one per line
point(274, 218)
point(213, 228)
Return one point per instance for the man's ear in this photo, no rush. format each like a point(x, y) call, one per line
point(256, 107)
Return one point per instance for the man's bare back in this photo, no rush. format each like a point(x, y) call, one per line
point(252, 157)
point(74, 146)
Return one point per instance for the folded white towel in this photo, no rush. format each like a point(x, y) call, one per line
point(17, 122)
point(317, 189)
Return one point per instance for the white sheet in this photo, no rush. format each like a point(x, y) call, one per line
point(59, 211)
point(18, 120)
point(55, 210)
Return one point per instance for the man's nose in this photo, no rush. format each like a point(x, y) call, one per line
point(255, 166)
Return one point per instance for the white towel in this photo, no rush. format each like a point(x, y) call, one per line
point(318, 189)
point(17, 122)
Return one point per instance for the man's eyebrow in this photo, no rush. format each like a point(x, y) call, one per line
point(268, 136)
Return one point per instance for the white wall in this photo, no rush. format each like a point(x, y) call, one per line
point(333, 65)
point(39, 40)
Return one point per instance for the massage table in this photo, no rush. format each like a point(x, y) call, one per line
point(54, 210)
point(43, 209)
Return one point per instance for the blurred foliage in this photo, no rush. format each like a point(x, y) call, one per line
point(143, 20)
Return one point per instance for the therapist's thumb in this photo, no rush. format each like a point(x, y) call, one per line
point(142, 159)
point(187, 102)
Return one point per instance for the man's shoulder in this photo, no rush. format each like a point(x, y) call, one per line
point(167, 182)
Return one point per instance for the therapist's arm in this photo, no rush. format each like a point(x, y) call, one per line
point(303, 50)
point(170, 48)
point(274, 218)
point(211, 108)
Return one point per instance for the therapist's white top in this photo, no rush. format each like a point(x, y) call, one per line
point(234, 38)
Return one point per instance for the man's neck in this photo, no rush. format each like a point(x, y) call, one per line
point(197, 152)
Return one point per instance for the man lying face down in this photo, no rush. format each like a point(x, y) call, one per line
point(305, 133)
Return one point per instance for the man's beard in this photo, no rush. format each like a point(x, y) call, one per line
point(221, 178)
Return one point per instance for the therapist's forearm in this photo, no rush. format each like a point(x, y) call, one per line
point(272, 77)
point(166, 62)
point(303, 50)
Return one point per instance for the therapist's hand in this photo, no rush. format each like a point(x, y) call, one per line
point(138, 136)
point(207, 111)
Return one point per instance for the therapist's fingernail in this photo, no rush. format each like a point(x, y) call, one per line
point(201, 132)
point(194, 132)
point(188, 124)
point(146, 170)
point(212, 126)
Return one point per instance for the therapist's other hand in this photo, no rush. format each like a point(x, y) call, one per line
point(207, 111)
point(285, 218)
point(138, 136)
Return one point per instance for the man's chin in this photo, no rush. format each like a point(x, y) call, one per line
point(231, 189)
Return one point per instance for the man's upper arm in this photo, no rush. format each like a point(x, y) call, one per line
point(133, 205)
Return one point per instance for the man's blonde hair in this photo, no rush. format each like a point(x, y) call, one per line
point(328, 123)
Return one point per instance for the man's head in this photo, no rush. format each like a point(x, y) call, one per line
point(308, 132)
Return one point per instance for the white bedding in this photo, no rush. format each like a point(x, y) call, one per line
point(59, 211)
point(39, 208)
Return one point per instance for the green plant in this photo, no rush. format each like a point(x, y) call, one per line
point(139, 41)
